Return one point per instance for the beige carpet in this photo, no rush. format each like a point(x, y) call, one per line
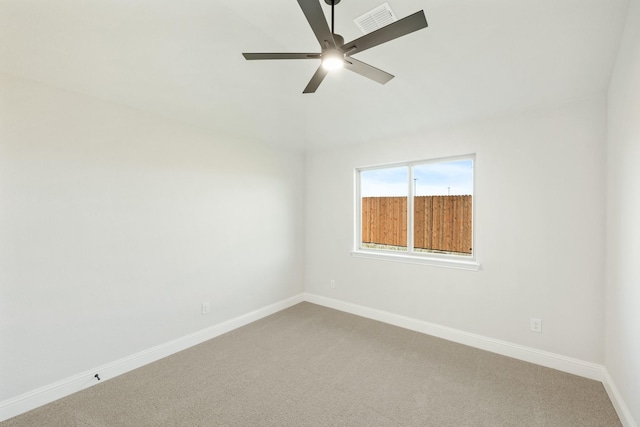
point(313, 366)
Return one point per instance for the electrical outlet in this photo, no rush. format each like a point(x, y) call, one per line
point(205, 307)
point(535, 324)
point(332, 283)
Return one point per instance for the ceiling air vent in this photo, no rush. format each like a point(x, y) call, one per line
point(376, 18)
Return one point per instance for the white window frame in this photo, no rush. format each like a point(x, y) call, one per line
point(412, 257)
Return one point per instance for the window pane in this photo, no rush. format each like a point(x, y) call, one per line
point(384, 195)
point(443, 207)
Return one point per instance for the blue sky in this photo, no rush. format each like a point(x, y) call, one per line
point(431, 179)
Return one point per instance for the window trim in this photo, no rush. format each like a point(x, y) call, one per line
point(411, 257)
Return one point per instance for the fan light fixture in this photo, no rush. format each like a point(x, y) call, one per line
point(332, 60)
point(335, 53)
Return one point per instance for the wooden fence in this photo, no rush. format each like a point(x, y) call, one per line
point(441, 223)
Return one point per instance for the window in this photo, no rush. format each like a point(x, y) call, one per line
point(417, 212)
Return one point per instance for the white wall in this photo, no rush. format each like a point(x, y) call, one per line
point(115, 225)
point(622, 355)
point(540, 197)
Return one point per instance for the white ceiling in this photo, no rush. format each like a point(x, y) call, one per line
point(182, 59)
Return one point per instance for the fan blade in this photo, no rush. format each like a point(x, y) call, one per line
point(392, 31)
point(314, 14)
point(315, 81)
point(367, 70)
point(251, 56)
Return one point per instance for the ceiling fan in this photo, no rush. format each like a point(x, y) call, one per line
point(335, 53)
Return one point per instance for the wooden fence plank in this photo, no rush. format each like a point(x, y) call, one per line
point(441, 223)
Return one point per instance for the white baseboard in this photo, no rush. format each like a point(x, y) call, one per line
point(43, 395)
point(551, 360)
point(621, 408)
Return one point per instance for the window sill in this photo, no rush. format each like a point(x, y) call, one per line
point(413, 259)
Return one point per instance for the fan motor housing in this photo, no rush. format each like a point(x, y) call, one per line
point(338, 39)
point(332, 2)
